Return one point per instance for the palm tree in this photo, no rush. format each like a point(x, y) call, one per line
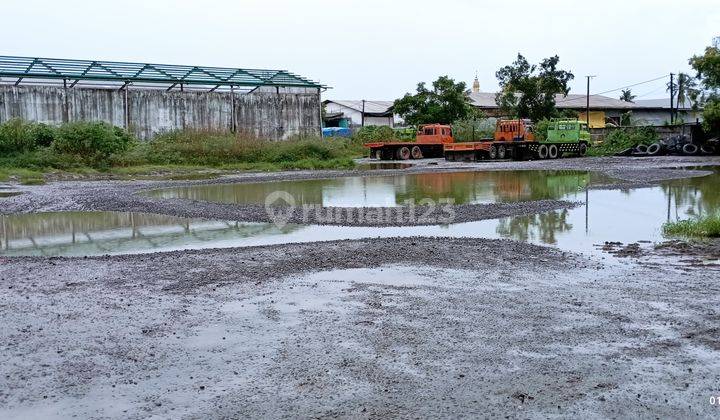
point(627, 95)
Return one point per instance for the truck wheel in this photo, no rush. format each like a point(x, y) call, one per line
point(582, 149)
point(689, 149)
point(552, 151)
point(416, 152)
point(403, 153)
point(542, 152)
point(501, 152)
point(493, 153)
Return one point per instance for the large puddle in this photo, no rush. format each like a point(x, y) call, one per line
point(396, 190)
point(608, 215)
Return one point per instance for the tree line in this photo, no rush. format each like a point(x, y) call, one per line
point(529, 91)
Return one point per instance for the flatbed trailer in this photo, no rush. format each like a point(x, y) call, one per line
point(404, 150)
point(428, 144)
point(518, 150)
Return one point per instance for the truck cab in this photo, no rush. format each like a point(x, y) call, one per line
point(562, 130)
point(514, 130)
point(434, 134)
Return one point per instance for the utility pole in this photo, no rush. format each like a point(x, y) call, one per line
point(587, 102)
point(672, 94)
point(362, 124)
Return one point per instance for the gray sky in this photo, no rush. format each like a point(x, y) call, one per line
point(375, 49)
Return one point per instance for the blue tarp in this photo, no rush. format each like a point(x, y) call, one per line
point(336, 132)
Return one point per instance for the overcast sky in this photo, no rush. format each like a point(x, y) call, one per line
point(375, 49)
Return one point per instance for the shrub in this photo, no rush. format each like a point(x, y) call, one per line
point(92, 142)
point(16, 136)
point(43, 134)
point(541, 129)
point(472, 129)
point(374, 133)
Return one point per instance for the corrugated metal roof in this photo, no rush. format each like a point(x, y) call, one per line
point(663, 103)
point(572, 101)
point(53, 68)
point(371, 107)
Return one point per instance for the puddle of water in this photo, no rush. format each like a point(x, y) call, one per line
point(100, 233)
point(394, 190)
point(372, 166)
point(608, 215)
point(9, 193)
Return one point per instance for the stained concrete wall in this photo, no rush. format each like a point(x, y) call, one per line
point(259, 114)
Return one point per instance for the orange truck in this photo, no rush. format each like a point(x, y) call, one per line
point(428, 143)
point(508, 134)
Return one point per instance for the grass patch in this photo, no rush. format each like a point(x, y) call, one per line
point(707, 227)
point(92, 148)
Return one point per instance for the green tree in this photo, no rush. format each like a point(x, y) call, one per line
point(446, 102)
point(707, 67)
point(528, 91)
point(627, 95)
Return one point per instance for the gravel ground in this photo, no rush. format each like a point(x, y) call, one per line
point(374, 328)
point(440, 328)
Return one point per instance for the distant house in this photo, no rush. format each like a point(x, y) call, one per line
point(603, 109)
point(359, 113)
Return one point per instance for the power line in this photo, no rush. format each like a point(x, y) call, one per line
point(614, 90)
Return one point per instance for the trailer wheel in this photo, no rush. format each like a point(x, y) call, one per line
point(582, 149)
point(542, 151)
point(403, 153)
point(552, 151)
point(689, 149)
point(416, 152)
point(501, 152)
point(492, 153)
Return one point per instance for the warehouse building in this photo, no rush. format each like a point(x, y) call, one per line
point(359, 113)
point(148, 99)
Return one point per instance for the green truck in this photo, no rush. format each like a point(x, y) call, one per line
point(570, 136)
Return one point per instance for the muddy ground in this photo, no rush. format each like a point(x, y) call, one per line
point(375, 328)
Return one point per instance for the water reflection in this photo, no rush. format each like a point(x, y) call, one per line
point(608, 215)
point(377, 191)
point(97, 233)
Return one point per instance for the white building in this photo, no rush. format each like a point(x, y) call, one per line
point(360, 113)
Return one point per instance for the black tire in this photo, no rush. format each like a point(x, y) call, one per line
point(552, 151)
point(542, 152)
point(493, 153)
point(416, 152)
point(501, 152)
point(641, 148)
point(707, 149)
point(582, 149)
point(690, 149)
point(654, 149)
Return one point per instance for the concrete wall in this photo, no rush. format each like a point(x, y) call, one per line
point(259, 114)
